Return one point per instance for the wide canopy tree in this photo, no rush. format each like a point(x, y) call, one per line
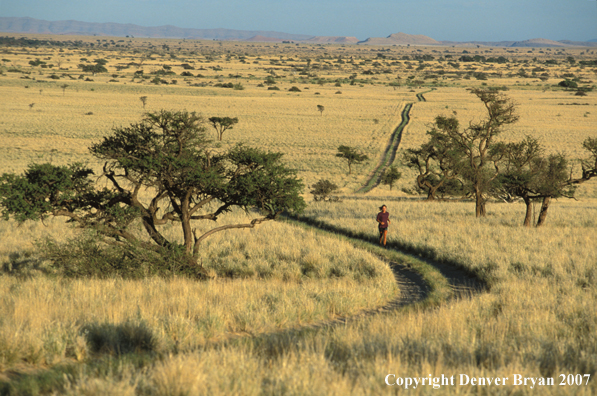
point(158, 171)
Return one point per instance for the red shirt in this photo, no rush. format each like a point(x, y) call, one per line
point(383, 217)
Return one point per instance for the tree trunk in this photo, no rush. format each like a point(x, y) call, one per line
point(431, 194)
point(479, 204)
point(189, 237)
point(349, 168)
point(529, 213)
point(543, 213)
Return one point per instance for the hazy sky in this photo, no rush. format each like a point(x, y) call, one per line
point(457, 20)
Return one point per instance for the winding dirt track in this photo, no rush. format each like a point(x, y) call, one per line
point(389, 154)
point(391, 150)
point(413, 288)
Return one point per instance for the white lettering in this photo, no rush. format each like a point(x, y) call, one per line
point(517, 379)
point(408, 382)
point(436, 384)
point(387, 377)
point(462, 376)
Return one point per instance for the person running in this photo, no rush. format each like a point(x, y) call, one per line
point(383, 218)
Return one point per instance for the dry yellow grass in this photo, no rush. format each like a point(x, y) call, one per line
point(537, 320)
point(292, 277)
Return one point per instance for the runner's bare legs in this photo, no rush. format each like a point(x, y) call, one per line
point(382, 237)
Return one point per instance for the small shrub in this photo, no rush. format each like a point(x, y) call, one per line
point(323, 190)
point(568, 84)
point(294, 89)
point(273, 88)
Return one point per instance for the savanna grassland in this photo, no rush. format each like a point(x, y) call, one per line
point(230, 335)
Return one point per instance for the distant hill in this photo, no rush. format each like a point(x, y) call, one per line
point(31, 25)
point(263, 39)
point(333, 40)
point(401, 39)
point(538, 42)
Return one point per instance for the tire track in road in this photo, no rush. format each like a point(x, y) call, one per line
point(421, 97)
point(389, 154)
point(391, 150)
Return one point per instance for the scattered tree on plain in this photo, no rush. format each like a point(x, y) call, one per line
point(528, 174)
point(320, 108)
point(477, 145)
point(143, 100)
point(167, 157)
point(222, 124)
point(323, 190)
point(437, 161)
point(390, 176)
point(351, 155)
point(555, 185)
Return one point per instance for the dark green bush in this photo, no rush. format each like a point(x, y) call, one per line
point(85, 256)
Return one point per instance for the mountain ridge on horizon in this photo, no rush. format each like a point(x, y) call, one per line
point(25, 25)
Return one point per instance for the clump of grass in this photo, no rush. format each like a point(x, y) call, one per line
point(119, 339)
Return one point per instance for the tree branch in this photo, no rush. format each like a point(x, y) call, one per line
point(252, 224)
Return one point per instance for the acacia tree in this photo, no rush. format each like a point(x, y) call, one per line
point(530, 175)
point(554, 187)
point(167, 157)
point(323, 190)
point(437, 160)
point(221, 124)
point(521, 174)
point(351, 155)
point(476, 143)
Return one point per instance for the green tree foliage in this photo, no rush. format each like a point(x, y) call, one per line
point(167, 157)
point(390, 176)
point(438, 161)
point(528, 174)
point(97, 68)
point(222, 124)
point(351, 155)
point(476, 143)
point(323, 190)
point(568, 84)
